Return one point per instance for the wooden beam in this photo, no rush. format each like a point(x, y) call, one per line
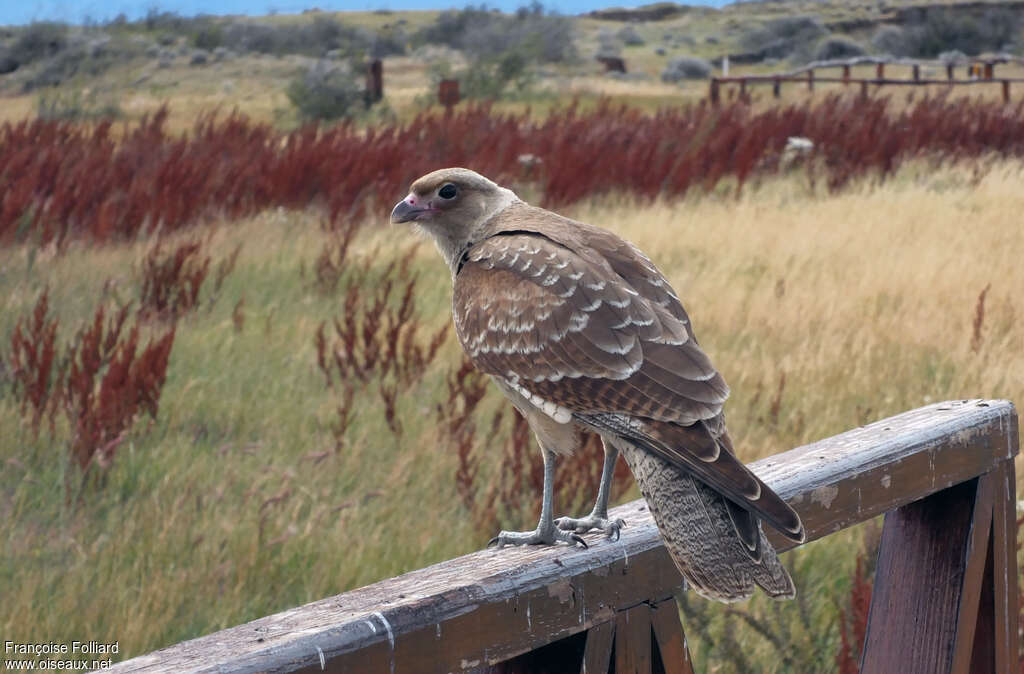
point(931, 564)
point(672, 654)
point(598, 654)
point(1004, 546)
point(633, 640)
point(490, 606)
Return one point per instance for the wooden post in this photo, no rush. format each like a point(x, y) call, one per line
point(1006, 91)
point(846, 74)
point(864, 89)
point(374, 82)
point(743, 89)
point(917, 72)
point(946, 568)
point(880, 71)
point(448, 93)
point(776, 87)
point(713, 93)
point(949, 71)
point(990, 69)
point(810, 80)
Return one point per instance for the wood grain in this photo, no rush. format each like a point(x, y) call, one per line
point(492, 605)
point(673, 652)
point(633, 640)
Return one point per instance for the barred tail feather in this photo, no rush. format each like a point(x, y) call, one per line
point(699, 533)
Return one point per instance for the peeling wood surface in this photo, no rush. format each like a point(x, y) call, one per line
point(492, 605)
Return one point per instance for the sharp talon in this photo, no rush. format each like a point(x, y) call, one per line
point(614, 532)
point(579, 540)
point(496, 539)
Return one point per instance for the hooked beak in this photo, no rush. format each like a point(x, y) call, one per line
point(408, 210)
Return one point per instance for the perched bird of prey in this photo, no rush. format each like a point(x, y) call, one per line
point(581, 331)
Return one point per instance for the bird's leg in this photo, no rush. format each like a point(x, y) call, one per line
point(546, 532)
point(598, 517)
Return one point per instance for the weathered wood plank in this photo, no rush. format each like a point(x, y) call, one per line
point(983, 652)
point(633, 640)
point(492, 605)
point(1004, 549)
point(673, 651)
point(919, 585)
point(974, 571)
point(598, 654)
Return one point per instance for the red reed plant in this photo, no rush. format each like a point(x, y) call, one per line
point(64, 179)
point(32, 363)
point(104, 379)
point(171, 280)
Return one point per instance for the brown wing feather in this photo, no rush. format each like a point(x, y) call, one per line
point(573, 328)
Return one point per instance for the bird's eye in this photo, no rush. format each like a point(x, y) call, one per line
point(447, 192)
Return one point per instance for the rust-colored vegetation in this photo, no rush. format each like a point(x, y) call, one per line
point(66, 180)
point(101, 379)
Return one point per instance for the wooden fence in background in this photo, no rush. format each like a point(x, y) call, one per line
point(945, 594)
point(978, 72)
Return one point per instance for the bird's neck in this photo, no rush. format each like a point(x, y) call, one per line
point(453, 249)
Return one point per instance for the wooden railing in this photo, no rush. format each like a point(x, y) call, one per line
point(945, 594)
point(978, 73)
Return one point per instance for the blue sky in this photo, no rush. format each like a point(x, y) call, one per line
point(75, 11)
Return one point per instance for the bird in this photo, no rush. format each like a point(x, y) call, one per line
point(582, 332)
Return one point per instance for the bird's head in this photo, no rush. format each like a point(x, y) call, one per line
point(453, 205)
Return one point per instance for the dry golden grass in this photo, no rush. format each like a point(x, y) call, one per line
point(864, 302)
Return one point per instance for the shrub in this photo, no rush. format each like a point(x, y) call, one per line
point(327, 91)
point(630, 37)
point(76, 106)
point(496, 77)
point(892, 40)
point(316, 38)
point(38, 41)
point(837, 47)
point(546, 38)
point(686, 68)
point(792, 36)
point(942, 29)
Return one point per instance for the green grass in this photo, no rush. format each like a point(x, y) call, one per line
point(236, 502)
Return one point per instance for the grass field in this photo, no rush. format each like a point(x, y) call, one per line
point(823, 311)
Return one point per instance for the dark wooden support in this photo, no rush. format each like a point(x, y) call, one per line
point(633, 640)
point(945, 598)
point(672, 653)
point(777, 88)
point(374, 81)
point(713, 93)
point(743, 89)
point(949, 71)
point(598, 654)
point(990, 70)
point(846, 74)
point(1004, 561)
point(448, 93)
point(880, 71)
point(864, 89)
point(1006, 91)
point(810, 80)
point(934, 607)
point(916, 71)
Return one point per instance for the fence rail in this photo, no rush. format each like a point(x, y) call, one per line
point(944, 600)
point(978, 73)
